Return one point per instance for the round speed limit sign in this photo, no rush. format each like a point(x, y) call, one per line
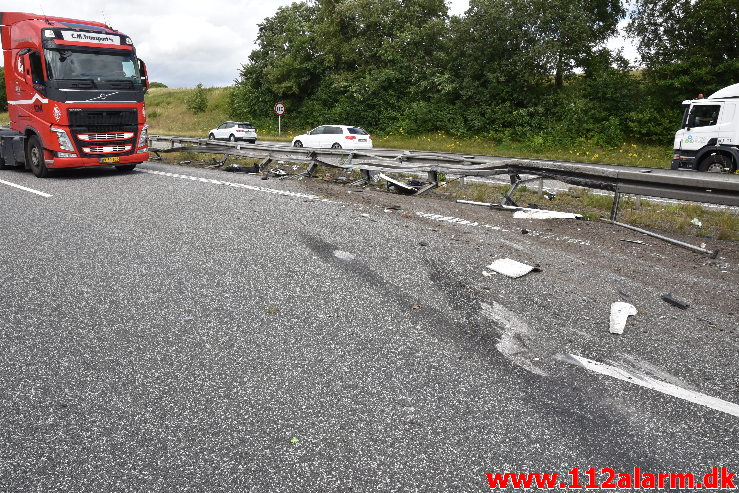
point(280, 109)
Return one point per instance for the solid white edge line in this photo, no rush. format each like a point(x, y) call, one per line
point(658, 385)
point(43, 194)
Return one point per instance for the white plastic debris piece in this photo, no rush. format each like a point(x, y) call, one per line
point(543, 214)
point(620, 311)
point(510, 268)
point(340, 254)
point(487, 274)
point(696, 222)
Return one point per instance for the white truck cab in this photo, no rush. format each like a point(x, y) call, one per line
point(709, 137)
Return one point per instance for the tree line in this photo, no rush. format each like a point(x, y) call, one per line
point(534, 70)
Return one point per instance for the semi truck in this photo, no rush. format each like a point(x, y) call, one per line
point(708, 139)
point(75, 94)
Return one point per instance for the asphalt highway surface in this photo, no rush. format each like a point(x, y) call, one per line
point(185, 329)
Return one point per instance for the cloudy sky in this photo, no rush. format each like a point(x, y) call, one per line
point(185, 42)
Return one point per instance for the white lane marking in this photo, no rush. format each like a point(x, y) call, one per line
point(447, 219)
point(232, 184)
point(658, 385)
point(21, 187)
point(464, 222)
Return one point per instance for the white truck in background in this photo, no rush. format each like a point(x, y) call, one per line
point(708, 139)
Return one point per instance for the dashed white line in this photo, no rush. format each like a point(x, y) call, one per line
point(658, 385)
point(26, 189)
point(232, 184)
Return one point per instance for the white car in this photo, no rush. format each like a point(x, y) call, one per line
point(234, 131)
point(335, 137)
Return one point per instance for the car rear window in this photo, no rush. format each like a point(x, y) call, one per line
point(357, 131)
point(246, 125)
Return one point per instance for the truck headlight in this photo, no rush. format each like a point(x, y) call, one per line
point(64, 143)
point(144, 137)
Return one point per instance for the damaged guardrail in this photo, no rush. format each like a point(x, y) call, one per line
point(651, 182)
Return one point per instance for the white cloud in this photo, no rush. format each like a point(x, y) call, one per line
point(183, 42)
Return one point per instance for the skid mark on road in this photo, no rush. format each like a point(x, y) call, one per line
point(653, 384)
point(515, 336)
point(26, 189)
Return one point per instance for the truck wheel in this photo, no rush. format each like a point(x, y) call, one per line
point(716, 163)
point(125, 168)
point(35, 157)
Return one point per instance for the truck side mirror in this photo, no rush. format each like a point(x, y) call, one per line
point(144, 74)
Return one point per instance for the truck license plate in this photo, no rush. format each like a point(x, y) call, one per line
point(114, 159)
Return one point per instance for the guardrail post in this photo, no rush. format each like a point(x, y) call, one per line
point(541, 186)
point(616, 201)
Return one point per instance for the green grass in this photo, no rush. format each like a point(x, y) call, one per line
point(626, 154)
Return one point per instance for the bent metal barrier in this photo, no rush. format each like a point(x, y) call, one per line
point(711, 188)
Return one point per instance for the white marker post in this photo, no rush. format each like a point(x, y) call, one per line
point(279, 111)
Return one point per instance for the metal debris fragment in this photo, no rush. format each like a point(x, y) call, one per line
point(674, 301)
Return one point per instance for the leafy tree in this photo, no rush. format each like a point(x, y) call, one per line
point(198, 100)
point(687, 46)
point(568, 31)
point(158, 84)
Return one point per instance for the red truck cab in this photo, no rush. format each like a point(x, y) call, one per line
point(75, 95)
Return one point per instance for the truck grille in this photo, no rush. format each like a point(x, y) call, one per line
point(100, 137)
point(114, 127)
point(105, 149)
point(102, 118)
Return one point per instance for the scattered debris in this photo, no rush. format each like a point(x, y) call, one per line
point(674, 301)
point(524, 231)
point(550, 195)
point(187, 318)
point(423, 243)
point(272, 310)
point(543, 214)
point(415, 307)
point(398, 186)
point(620, 311)
point(512, 268)
point(392, 208)
point(639, 242)
point(237, 168)
point(696, 222)
point(278, 172)
point(294, 440)
point(487, 274)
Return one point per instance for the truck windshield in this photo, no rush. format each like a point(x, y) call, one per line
point(75, 65)
point(703, 115)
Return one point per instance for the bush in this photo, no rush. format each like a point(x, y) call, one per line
point(198, 101)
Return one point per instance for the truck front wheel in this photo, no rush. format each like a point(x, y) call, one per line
point(35, 157)
point(716, 163)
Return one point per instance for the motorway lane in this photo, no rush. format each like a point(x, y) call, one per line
point(159, 332)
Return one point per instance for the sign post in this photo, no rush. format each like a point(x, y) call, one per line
point(279, 111)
